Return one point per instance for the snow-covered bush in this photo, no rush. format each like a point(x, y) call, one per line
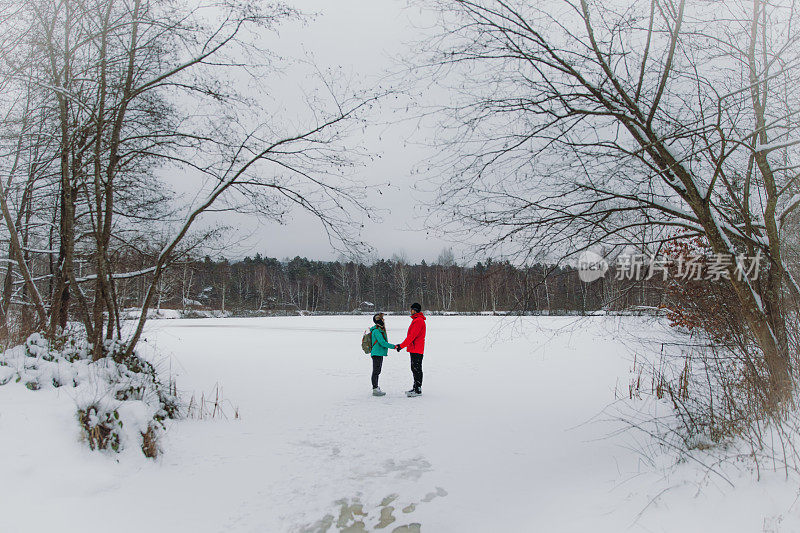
point(121, 404)
point(103, 429)
point(713, 371)
point(715, 398)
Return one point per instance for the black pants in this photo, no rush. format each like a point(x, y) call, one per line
point(416, 370)
point(377, 364)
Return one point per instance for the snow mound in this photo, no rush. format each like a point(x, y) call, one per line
point(118, 400)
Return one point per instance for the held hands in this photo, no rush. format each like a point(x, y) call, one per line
point(397, 347)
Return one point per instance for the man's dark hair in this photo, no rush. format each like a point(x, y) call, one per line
point(416, 307)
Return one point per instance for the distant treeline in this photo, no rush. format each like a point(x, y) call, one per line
point(299, 284)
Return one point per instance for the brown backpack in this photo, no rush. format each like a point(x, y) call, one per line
point(366, 342)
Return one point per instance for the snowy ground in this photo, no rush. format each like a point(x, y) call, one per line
point(506, 437)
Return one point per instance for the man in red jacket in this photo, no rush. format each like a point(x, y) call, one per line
point(415, 341)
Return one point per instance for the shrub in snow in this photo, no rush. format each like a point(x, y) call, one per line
point(102, 428)
point(150, 442)
point(715, 396)
point(121, 404)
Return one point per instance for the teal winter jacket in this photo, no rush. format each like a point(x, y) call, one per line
point(380, 346)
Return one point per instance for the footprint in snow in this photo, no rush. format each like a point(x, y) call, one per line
point(353, 517)
point(440, 492)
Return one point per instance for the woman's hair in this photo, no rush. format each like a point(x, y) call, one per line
point(378, 318)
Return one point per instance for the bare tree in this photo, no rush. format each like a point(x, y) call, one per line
point(263, 284)
point(187, 280)
point(401, 274)
point(25, 162)
point(580, 123)
point(345, 282)
point(118, 83)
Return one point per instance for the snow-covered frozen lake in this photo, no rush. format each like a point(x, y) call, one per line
point(509, 435)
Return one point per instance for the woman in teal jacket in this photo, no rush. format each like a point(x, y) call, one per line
point(380, 348)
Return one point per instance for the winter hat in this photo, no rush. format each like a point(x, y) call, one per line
point(377, 316)
point(416, 307)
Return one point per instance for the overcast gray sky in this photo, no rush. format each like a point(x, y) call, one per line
point(363, 37)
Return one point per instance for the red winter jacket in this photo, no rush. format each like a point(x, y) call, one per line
point(415, 340)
